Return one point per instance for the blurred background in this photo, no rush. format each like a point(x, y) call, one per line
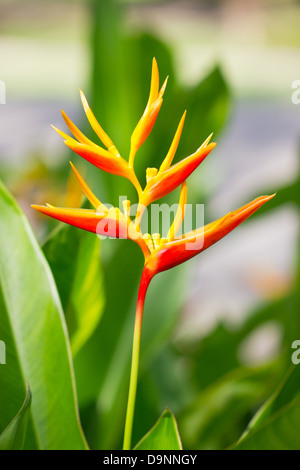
point(222, 325)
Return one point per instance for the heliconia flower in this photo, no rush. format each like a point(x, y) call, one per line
point(160, 254)
point(147, 121)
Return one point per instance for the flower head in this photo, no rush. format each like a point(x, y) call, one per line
point(160, 253)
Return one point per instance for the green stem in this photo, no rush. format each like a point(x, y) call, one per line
point(145, 280)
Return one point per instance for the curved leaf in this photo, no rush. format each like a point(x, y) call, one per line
point(163, 436)
point(12, 438)
point(33, 329)
point(276, 426)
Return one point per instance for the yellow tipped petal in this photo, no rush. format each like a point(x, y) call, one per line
point(163, 88)
point(168, 180)
point(96, 126)
point(147, 121)
point(75, 131)
point(177, 222)
point(87, 191)
point(151, 173)
point(171, 153)
point(206, 142)
point(154, 82)
point(63, 135)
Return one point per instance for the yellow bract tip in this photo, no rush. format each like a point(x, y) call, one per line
point(151, 173)
point(206, 142)
point(173, 148)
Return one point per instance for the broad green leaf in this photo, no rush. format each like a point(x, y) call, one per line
point(276, 426)
point(74, 258)
point(12, 438)
point(34, 331)
point(163, 436)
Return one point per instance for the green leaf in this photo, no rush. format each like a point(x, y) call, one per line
point(74, 258)
point(34, 331)
point(163, 436)
point(276, 426)
point(12, 438)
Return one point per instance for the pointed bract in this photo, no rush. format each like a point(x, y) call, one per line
point(179, 214)
point(101, 158)
point(87, 191)
point(105, 139)
point(171, 153)
point(147, 121)
point(190, 244)
point(165, 182)
point(104, 222)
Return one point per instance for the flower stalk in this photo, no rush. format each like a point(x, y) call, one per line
point(145, 280)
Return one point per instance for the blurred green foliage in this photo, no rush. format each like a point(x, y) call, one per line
point(212, 394)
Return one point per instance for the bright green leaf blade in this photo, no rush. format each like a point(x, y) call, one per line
point(33, 329)
point(280, 432)
point(12, 438)
point(277, 424)
point(163, 436)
